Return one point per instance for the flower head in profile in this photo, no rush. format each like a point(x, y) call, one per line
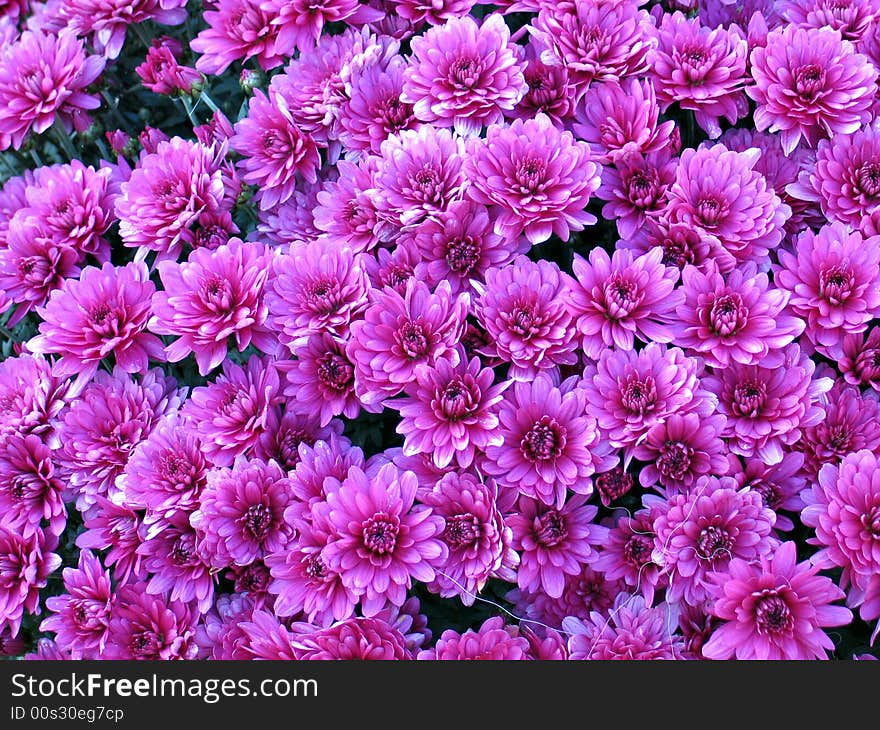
point(25, 567)
point(237, 30)
point(494, 640)
point(852, 18)
point(31, 486)
point(162, 73)
point(301, 22)
point(356, 638)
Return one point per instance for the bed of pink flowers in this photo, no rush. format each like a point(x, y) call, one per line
point(435, 329)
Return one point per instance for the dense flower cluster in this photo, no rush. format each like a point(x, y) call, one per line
point(361, 329)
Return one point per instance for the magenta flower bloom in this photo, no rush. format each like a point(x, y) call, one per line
point(274, 149)
point(433, 12)
point(317, 287)
point(113, 526)
point(549, 444)
point(212, 296)
point(25, 566)
point(231, 413)
point(464, 75)
point(860, 363)
point(381, 542)
point(161, 71)
point(547, 88)
point(775, 610)
point(718, 191)
point(450, 412)
point(703, 530)
point(843, 508)
point(619, 298)
point(493, 641)
point(766, 407)
point(150, 627)
point(700, 69)
point(536, 179)
point(282, 439)
point(240, 517)
point(398, 332)
point(834, 280)
point(167, 194)
point(43, 76)
point(852, 19)
point(613, 484)
point(682, 244)
point(345, 208)
point(30, 486)
point(810, 84)
point(104, 312)
point(331, 456)
point(265, 637)
point(237, 29)
point(779, 485)
point(626, 555)
point(81, 616)
point(301, 22)
point(356, 638)
point(220, 635)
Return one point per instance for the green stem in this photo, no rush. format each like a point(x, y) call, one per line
point(102, 148)
point(36, 158)
point(209, 102)
point(187, 105)
point(139, 32)
point(63, 139)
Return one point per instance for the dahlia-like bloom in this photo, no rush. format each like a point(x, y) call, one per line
point(682, 244)
point(398, 332)
point(43, 77)
point(810, 84)
point(779, 485)
point(493, 641)
point(283, 439)
point(630, 630)
point(99, 430)
point(595, 41)
point(860, 363)
point(623, 297)
point(450, 412)
point(774, 610)
point(718, 191)
point(681, 449)
point(433, 12)
point(626, 555)
point(251, 580)
point(380, 540)
point(149, 627)
point(392, 268)
point(161, 71)
point(317, 287)
point(737, 318)
point(209, 298)
point(525, 313)
point(549, 444)
point(321, 379)
point(331, 456)
point(536, 178)
point(478, 541)
point(553, 542)
point(30, 398)
point(701, 69)
point(834, 280)
point(843, 507)
point(547, 88)
point(237, 29)
point(165, 472)
point(616, 119)
point(852, 18)
point(265, 637)
point(702, 530)
point(292, 222)
point(168, 194)
point(81, 615)
point(420, 173)
point(30, 486)
point(220, 635)
point(114, 526)
point(232, 412)
point(628, 392)
point(464, 75)
point(274, 149)
point(767, 407)
point(356, 638)
point(240, 517)
point(25, 566)
point(300, 22)
point(458, 246)
point(345, 209)
point(613, 484)
point(103, 312)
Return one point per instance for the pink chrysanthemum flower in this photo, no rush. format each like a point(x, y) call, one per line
point(536, 178)
point(357, 638)
point(843, 507)
point(301, 22)
point(265, 637)
point(433, 12)
point(392, 268)
point(851, 17)
point(232, 412)
point(398, 332)
point(381, 542)
point(549, 444)
point(167, 194)
point(240, 517)
point(220, 635)
point(547, 88)
point(331, 456)
point(595, 41)
point(737, 318)
point(25, 566)
point(767, 407)
point(718, 191)
point(703, 530)
point(251, 580)
point(860, 361)
point(779, 485)
point(628, 392)
point(494, 641)
point(525, 313)
point(30, 486)
point(43, 77)
point(345, 209)
point(284, 439)
point(626, 555)
point(617, 299)
point(701, 69)
point(613, 484)
point(161, 71)
point(834, 280)
point(237, 29)
point(630, 630)
point(100, 429)
point(211, 297)
point(317, 287)
point(113, 526)
point(450, 412)
point(775, 610)
point(292, 222)
point(150, 627)
point(810, 84)
point(464, 75)
point(82, 614)
point(274, 149)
